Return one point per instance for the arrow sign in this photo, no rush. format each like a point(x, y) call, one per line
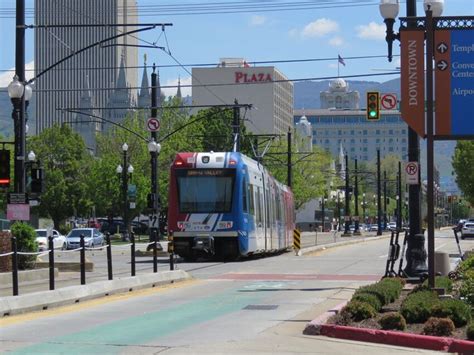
point(442, 65)
point(442, 47)
point(153, 124)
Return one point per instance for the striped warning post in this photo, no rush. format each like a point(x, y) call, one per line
point(296, 239)
point(170, 244)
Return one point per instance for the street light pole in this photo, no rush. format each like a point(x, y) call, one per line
point(347, 231)
point(379, 198)
point(124, 173)
point(356, 200)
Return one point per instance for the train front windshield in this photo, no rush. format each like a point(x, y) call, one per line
point(205, 190)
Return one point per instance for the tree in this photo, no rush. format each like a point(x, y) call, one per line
point(66, 162)
point(463, 164)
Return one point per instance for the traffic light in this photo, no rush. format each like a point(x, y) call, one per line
point(4, 168)
point(373, 106)
point(37, 180)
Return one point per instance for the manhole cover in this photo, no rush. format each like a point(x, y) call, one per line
point(261, 307)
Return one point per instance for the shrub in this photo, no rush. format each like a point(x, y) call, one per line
point(456, 310)
point(470, 331)
point(466, 264)
point(393, 285)
point(417, 307)
point(439, 327)
point(442, 282)
point(341, 318)
point(393, 320)
point(25, 242)
point(369, 298)
point(466, 291)
point(359, 310)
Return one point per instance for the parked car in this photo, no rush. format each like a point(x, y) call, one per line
point(373, 228)
point(59, 240)
point(139, 227)
point(92, 238)
point(113, 227)
point(467, 230)
point(392, 226)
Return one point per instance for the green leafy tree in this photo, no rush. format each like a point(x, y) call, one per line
point(66, 162)
point(463, 164)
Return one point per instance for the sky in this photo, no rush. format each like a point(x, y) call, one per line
point(349, 28)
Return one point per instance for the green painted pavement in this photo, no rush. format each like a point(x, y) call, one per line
point(112, 337)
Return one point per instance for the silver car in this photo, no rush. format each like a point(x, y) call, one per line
point(92, 238)
point(467, 230)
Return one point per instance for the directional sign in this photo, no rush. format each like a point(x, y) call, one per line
point(411, 173)
point(153, 124)
point(389, 101)
point(454, 77)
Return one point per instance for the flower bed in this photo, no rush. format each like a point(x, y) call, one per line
point(390, 305)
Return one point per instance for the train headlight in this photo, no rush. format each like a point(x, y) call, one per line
point(225, 225)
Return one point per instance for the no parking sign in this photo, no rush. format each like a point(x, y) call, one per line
point(411, 173)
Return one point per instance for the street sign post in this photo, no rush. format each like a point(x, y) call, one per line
point(412, 172)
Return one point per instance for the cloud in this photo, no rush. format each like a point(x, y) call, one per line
point(336, 41)
point(185, 91)
point(371, 31)
point(293, 32)
point(7, 77)
point(257, 20)
point(320, 28)
point(332, 66)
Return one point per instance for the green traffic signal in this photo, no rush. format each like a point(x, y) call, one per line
point(373, 108)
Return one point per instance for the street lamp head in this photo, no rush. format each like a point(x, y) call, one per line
point(130, 169)
point(158, 148)
point(125, 147)
point(119, 169)
point(31, 156)
point(15, 88)
point(389, 8)
point(28, 92)
point(436, 6)
point(154, 147)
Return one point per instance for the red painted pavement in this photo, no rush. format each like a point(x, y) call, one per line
point(297, 277)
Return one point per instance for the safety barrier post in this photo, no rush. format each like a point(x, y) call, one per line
point(109, 256)
point(14, 267)
point(132, 253)
point(171, 251)
point(51, 262)
point(83, 259)
point(297, 241)
point(155, 252)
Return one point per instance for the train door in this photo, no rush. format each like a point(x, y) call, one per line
point(260, 218)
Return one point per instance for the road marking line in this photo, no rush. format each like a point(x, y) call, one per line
point(442, 245)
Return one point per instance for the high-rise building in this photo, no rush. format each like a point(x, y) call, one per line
point(95, 70)
point(265, 87)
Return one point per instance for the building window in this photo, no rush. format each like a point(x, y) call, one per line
point(390, 131)
point(365, 132)
point(377, 131)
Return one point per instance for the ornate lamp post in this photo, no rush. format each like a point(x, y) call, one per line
point(125, 173)
point(154, 202)
point(19, 94)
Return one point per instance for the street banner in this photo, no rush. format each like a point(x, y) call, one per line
point(454, 78)
point(413, 79)
point(18, 212)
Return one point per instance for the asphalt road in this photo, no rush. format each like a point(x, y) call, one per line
point(252, 306)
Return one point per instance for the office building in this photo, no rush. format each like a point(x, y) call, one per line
point(92, 76)
point(264, 87)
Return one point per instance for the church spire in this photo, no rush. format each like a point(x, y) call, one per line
point(144, 97)
point(178, 94)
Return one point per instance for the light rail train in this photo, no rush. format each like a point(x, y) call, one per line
point(226, 205)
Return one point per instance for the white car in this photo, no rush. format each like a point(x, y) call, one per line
point(392, 226)
point(59, 240)
point(467, 230)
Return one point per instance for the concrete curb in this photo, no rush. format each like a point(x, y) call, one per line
point(390, 337)
point(338, 244)
point(73, 294)
point(314, 327)
point(26, 275)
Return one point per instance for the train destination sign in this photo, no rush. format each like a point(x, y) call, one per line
point(454, 76)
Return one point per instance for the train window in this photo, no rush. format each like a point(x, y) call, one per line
point(251, 200)
point(244, 196)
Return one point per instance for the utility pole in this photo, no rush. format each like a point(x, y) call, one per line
point(347, 212)
point(399, 201)
point(289, 172)
point(236, 126)
point(20, 122)
point(379, 197)
point(356, 200)
point(384, 200)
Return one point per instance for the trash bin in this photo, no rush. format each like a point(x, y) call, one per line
point(442, 265)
